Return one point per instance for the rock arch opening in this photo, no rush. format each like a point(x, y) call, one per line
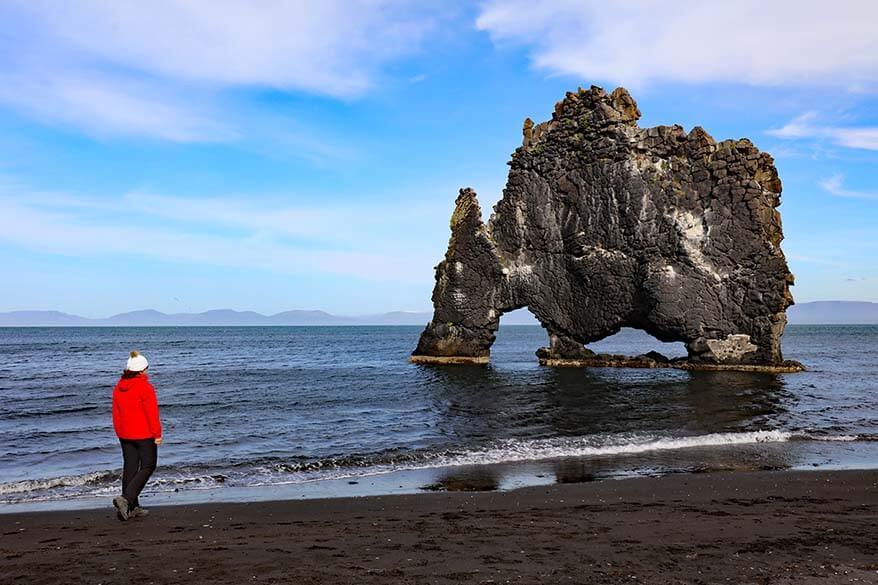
point(628, 347)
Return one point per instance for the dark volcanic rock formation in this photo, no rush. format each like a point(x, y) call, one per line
point(605, 225)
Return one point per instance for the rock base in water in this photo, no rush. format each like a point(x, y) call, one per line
point(604, 360)
point(448, 360)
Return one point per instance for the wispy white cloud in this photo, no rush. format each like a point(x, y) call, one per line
point(156, 68)
point(334, 224)
point(104, 105)
point(799, 127)
point(63, 234)
point(635, 42)
point(835, 186)
point(330, 47)
point(225, 232)
point(806, 126)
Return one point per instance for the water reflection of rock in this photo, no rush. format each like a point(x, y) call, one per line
point(588, 402)
point(574, 471)
point(750, 457)
point(737, 400)
point(467, 479)
point(745, 457)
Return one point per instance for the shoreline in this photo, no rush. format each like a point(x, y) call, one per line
point(505, 475)
point(745, 527)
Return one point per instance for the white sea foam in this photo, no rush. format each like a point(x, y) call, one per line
point(842, 438)
point(533, 450)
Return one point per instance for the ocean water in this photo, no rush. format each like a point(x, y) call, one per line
point(254, 407)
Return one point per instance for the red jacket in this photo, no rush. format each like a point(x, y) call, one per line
point(135, 409)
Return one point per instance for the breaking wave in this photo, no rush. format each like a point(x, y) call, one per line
point(95, 478)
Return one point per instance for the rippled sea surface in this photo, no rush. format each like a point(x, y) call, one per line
point(286, 405)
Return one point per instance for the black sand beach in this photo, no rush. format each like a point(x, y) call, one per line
point(747, 527)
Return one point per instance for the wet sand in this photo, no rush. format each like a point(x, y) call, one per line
point(777, 527)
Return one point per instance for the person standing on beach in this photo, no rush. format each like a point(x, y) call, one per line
point(137, 424)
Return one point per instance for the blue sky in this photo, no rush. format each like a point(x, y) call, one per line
point(267, 156)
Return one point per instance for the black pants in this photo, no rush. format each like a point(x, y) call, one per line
point(140, 457)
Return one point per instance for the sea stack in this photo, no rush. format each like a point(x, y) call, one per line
point(604, 225)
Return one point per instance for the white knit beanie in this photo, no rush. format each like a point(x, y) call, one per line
point(136, 363)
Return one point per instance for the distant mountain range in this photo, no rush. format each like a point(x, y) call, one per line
point(217, 317)
point(819, 312)
point(833, 313)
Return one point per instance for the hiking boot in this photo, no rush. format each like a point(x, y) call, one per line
point(121, 505)
point(138, 512)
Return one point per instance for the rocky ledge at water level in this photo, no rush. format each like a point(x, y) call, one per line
point(605, 225)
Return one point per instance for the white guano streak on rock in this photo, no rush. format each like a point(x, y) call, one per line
point(598, 250)
point(644, 202)
point(516, 270)
point(642, 163)
point(519, 218)
point(638, 165)
point(693, 236)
